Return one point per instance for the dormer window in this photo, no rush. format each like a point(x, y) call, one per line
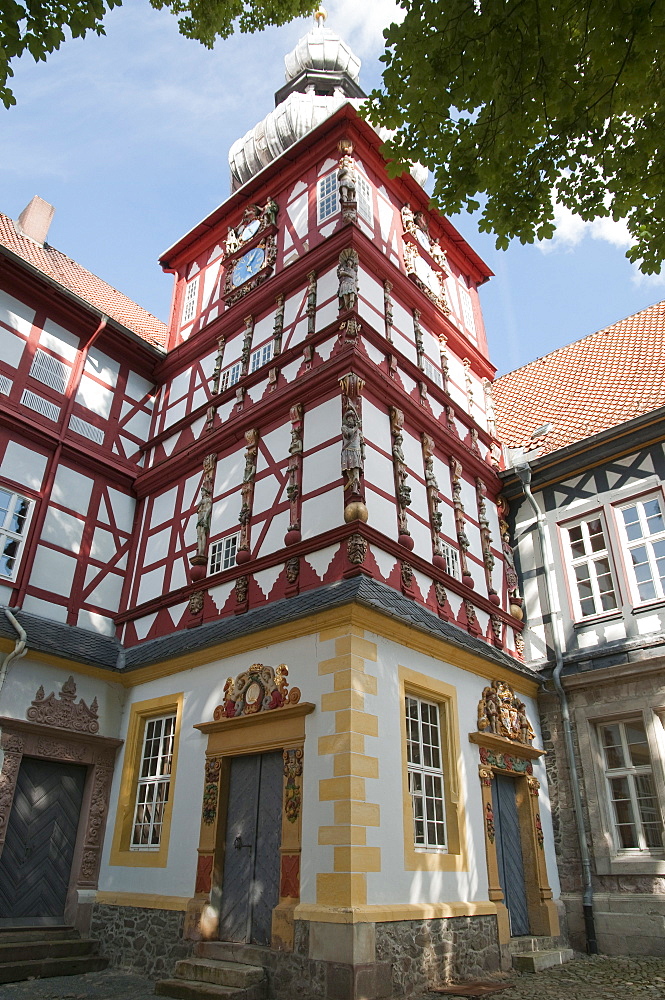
point(190, 302)
point(328, 199)
point(364, 196)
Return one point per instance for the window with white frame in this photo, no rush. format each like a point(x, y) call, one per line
point(425, 773)
point(327, 202)
point(451, 557)
point(432, 372)
point(15, 513)
point(230, 376)
point(364, 198)
point(467, 310)
point(190, 301)
point(636, 820)
point(223, 553)
point(590, 568)
point(260, 357)
point(154, 780)
point(643, 529)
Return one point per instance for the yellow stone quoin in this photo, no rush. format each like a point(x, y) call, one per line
point(352, 678)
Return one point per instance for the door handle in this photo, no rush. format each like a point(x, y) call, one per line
point(238, 844)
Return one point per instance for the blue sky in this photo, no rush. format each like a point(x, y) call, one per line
point(128, 137)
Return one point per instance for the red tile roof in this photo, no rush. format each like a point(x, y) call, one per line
point(587, 387)
point(72, 276)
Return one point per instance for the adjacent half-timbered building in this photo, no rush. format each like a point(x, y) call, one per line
point(588, 420)
point(268, 547)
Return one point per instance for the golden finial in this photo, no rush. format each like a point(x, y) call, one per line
point(320, 16)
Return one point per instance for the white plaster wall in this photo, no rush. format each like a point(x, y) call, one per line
point(203, 690)
point(100, 364)
point(94, 397)
point(382, 513)
point(274, 536)
point(11, 346)
point(63, 529)
point(376, 425)
point(379, 471)
point(321, 468)
point(53, 571)
point(225, 513)
point(431, 887)
point(24, 466)
point(16, 314)
point(322, 512)
point(25, 676)
point(267, 492)
point(323, 422)
point(229, 471)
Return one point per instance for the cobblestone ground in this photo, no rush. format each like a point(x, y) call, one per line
point(598, 978)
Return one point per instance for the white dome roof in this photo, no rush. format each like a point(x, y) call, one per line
point(321, 49)
point(290, 121)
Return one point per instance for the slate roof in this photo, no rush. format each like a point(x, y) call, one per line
point(586, 387)
point(104, 651)
point(86, 285)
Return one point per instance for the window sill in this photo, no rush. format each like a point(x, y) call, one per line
point(657, 602)
point(606, 616)
point(637, 864)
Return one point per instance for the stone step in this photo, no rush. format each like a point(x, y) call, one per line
point(231, 951)
point(532, 942)
point(38, 968)
point(23, 951)
point(11, 935)
point(189, 989)
point(536, 961)
point(220, 973)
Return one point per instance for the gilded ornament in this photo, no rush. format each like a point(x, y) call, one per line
point(259, 689)
point(502, 713)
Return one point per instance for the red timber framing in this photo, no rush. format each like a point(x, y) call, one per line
point(56, 441)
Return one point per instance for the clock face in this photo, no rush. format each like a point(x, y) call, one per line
point(428, 276)
point(248, 265)
point(248, 231)
point(423, 238)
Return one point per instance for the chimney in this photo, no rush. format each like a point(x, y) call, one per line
point(35, 219)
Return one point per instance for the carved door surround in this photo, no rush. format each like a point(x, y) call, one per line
point(502, 756)
point(97, 754)
point(262, 725)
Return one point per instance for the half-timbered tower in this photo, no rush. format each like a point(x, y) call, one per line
point(316, 665)
point(587, 422)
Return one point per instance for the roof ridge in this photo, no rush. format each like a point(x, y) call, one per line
point(74, 276)
point(580, 340)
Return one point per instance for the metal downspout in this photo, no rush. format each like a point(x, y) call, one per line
point(20, 646)
point(524, 473)
point(19, 650)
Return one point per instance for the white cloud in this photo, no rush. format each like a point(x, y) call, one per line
point(571, 231)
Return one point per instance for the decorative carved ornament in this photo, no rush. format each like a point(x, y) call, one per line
point(292, 791)
point(63, 711)
point(502, 713)
point(356, 549)
point(211, 790)
point(259, 689)
point(504, 762)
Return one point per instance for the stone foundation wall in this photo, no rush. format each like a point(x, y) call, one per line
point(426, 953)
point(140, 940)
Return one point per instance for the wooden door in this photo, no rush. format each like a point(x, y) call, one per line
point(36, 862)
point(250, 882)
point(509, 853)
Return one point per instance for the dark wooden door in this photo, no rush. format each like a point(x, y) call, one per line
point(250, 882)
point(509, 853)
point(36, 861)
